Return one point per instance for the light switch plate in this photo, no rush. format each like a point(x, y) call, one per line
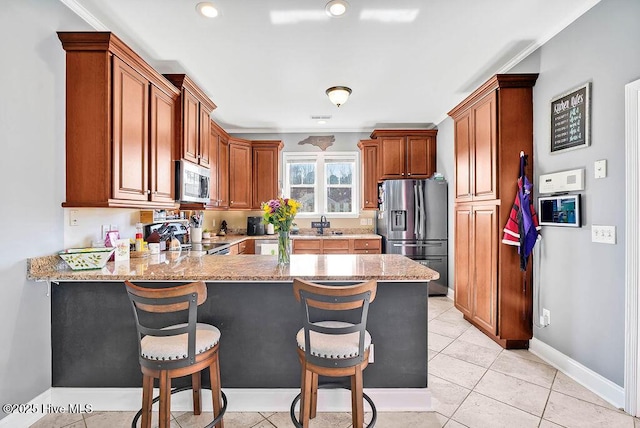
point(600, 168)
point(603, 234)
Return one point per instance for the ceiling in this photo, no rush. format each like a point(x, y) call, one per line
point(267, 63)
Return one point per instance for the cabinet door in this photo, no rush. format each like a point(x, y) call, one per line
point(463, 258)
point(130, 133)
point(214, 145)
point(190, 126)
point(239, 175)
point(223, 172)
point(265, 175)
point(335, 246)
point(484, 149)
point(462, 153)
point(370, 175)
point(392, 157)
point(204, 156)
point(162, 143)
point(485, 284)
point(418, 157)
point(306, 246)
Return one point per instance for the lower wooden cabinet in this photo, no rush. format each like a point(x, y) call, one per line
point(336, 246)
point(490, 289)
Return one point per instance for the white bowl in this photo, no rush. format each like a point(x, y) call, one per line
point(86, 258)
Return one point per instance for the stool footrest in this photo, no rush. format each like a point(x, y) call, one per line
point(186, 388)
point(333, 385)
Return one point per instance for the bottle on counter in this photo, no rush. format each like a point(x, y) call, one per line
point(139, 240)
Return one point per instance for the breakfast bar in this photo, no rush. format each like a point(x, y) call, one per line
point(250, 300)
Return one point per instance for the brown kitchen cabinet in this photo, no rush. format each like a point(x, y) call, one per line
point(119, 143)
point(406, 154)
point(265, 171)
point(239, 173)
point(491, 127)
point(194, 121)
point(219, 167)
point(336, 246)
point(370, 173)
point(366, 246)
point(306, 246)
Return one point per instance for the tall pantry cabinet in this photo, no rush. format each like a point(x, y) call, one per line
point(492, 126)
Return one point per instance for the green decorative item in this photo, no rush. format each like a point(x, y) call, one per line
point(86, 258)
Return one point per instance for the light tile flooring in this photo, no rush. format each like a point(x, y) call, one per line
point(474, 383)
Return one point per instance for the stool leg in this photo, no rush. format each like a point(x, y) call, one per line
point(314, 395)
point(306, 412)
point(195, 385)
point(214, 375)
point(165, 399)
point(302, 389)
point(357, 407)
point(147, 398)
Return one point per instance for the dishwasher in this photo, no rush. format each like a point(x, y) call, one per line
point(266, 247)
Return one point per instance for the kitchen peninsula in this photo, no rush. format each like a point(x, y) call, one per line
point(250, 299)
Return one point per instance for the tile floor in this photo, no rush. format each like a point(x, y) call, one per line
point(474, 384)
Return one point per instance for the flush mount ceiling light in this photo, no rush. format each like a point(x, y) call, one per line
point(207, 9)
point(338, 94)
point(336, 8)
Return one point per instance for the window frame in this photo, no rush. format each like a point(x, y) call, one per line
point(321, 187)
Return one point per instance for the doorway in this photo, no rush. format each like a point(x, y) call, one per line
point(632, 253)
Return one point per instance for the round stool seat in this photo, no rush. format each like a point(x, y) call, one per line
point(164, 348)
point(333, 346)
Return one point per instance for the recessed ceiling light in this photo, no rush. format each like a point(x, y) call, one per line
point(207, 9)
point(336, 8)
point(322, 122)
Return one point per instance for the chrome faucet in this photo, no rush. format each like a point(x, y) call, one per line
point(323, 220)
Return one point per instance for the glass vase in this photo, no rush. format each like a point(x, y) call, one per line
point(284, 248)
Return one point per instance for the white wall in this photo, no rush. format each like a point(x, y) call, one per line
point(32, 177)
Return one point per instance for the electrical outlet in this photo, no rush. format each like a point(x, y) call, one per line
point(546, 317)
point(363, 222)
point(73, 217)
point(371, 353)
point(603, 234)
point(600, 168)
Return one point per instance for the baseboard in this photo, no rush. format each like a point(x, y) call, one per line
point(451, 293)
point(586, 377)
point(29, 413)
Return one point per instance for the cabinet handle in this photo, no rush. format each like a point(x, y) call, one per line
point(148, 192)
point(366, 244)
point(230, 202)
point(403, 173)
point(409, 174)
point(366, 202)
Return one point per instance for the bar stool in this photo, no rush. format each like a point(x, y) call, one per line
point(175, 350)
point(334, 324)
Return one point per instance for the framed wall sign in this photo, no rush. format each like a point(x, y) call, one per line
point(571, 119)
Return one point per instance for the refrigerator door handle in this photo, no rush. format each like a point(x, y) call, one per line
point(423, 212)
point(416, 212)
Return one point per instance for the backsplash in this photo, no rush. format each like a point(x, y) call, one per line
point(90, 220)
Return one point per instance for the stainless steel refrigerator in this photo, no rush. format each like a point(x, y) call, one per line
point(412, 220)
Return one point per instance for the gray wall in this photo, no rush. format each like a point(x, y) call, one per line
point(582, 283)
point(32, 177)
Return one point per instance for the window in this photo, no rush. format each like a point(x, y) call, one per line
point(324, 183)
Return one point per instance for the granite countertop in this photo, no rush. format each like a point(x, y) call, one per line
point(194, 266)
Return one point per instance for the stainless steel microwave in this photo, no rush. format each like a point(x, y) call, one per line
point(192, 182)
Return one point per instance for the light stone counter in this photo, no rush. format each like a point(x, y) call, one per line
point(193, 266)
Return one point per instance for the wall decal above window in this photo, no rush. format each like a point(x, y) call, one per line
point(323, 141)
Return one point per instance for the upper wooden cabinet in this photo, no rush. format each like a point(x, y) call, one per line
point(370, 173)
point(194, 119)
point(239, 173)
point(265, 159)
point(406, 153)
point(120, 132)
point(491, 127)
